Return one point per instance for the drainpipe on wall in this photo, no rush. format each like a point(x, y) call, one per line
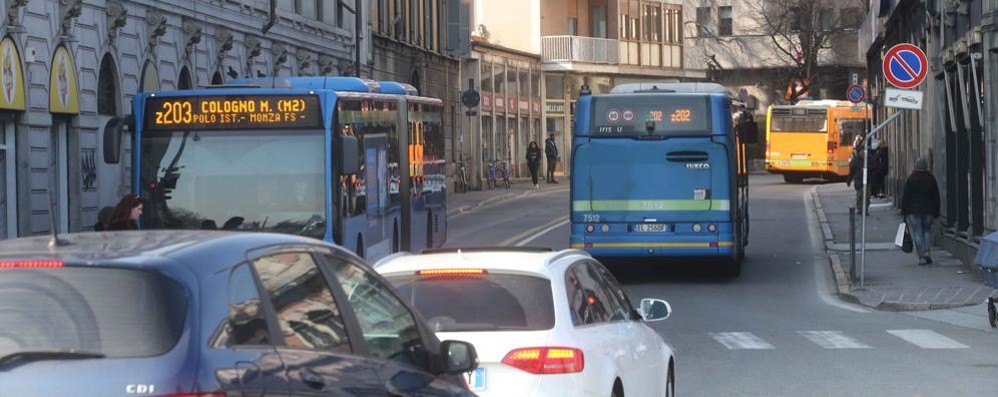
point(272, 19)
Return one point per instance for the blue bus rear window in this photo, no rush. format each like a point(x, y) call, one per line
point(622, 115)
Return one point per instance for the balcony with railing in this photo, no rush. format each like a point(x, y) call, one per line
point(580, 49)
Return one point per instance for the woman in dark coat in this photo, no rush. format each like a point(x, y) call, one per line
point(920, 207)
point(534, 161)
point(126, 214)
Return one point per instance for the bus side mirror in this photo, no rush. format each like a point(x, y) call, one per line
point(750, 132)
point(349, 154)
point(114, 130)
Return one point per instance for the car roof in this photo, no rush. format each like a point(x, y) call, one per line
point(147, 247)
point(501, 260)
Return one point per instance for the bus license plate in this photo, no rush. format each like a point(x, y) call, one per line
point(476, 379)
point(699, 194)
point(798, 156)
point(650, 227)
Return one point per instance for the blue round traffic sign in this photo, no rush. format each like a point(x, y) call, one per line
point(856, 93)
point(905, 66)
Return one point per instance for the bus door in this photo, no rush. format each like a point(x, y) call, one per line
point(376, 177)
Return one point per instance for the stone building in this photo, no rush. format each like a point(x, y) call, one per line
point(68, 67)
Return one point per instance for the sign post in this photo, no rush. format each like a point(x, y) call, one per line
point(905, 67)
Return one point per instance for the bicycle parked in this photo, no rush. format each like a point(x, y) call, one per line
point(504, 173)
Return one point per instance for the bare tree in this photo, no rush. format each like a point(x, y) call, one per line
point(802, 32)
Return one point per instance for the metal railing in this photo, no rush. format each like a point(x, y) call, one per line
point(580, 49)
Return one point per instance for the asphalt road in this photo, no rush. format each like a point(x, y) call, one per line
point(777, 330)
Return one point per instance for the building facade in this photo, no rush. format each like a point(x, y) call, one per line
point(956, 128)
point(69, 67)
point(411, 44)
point(744, 45)
point(603, 43)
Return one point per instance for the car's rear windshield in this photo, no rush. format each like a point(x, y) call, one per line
point(111, 311)
point(489, 302)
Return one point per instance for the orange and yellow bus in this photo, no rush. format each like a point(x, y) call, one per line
point(812, 139)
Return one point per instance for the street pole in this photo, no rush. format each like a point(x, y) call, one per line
point(862, 250)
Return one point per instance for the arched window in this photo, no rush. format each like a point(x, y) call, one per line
point(216, 79)
point(107, 87)
point(185, 82)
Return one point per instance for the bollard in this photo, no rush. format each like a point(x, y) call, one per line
point(852, 244)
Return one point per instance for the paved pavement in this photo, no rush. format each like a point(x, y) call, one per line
point(458, 203)
point(892, 279)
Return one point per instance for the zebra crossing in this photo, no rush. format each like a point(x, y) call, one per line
point(921, 338)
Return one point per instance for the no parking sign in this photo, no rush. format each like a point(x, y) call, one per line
point(905, 66)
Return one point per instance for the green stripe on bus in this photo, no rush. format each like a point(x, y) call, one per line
point(651, 205)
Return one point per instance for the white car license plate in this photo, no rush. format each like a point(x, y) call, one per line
point(650, 227)
point(476, 379)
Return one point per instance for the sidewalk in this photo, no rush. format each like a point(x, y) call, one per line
point(893, 279)
point(458, 203)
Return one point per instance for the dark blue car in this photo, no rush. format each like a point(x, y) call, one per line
point(183, 313)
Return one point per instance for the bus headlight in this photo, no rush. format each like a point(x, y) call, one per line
point(697, 228)
point(605, 228)
point(712, 228)
point(590, 228)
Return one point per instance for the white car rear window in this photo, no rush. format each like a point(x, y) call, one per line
point(485, 302)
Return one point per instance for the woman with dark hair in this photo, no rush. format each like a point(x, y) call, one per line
point(126, 214)
point(534, 161)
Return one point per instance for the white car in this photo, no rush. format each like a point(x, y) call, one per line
point(543, 323)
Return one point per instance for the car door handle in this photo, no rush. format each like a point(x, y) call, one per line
point(311, 379)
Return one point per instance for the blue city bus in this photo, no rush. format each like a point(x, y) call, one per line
point(658, 171)
point(351, 161)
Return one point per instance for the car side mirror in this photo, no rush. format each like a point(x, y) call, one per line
point(459, 357)
point(349, 154)
point(654, 310)
point(114, 130)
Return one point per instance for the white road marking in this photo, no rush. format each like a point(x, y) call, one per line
point(740, 340)
point(541, 233)
point(833, 340)
point(927, 339)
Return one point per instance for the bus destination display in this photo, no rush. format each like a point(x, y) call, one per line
point(232, 112)
point(630, 115)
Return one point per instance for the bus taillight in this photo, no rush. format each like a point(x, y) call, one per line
point(832, 145)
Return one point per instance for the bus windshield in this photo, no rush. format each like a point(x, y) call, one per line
point(627, 115)
point(255, 180)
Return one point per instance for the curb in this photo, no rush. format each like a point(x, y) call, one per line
point(498, 198)
point(841, 279)
point(834, 260)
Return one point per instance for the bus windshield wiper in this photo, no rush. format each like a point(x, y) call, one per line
point(39, 355)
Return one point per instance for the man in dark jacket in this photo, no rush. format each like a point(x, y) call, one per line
point(856, 178)
point(551, 150)
point(878, 169)
point(920, 207)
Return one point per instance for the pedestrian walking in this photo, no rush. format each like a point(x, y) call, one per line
point(534, 161)
point(878, 169)
point(920, 207)
point(551, 150)
point(126, 214)
point(856, 177)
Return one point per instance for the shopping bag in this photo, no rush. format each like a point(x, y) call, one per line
point(908, 245)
